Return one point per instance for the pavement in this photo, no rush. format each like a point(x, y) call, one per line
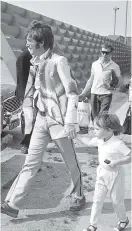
point(12, 160)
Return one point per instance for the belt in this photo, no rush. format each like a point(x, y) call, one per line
point(42, 113)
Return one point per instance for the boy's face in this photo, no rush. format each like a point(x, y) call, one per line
point(100, 133)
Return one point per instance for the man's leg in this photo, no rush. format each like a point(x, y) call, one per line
point(39, 141)
point(69, 155)
point(105, 103)
point(94, 106)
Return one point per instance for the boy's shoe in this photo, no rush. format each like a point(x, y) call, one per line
point(91, 228)
point(119, 227)
point(6, 209)
point(78, 204)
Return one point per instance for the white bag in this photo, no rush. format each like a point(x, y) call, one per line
point(83, 114)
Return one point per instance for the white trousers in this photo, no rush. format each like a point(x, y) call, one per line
point(116, 193)
point(28, 115)
point(39, 141)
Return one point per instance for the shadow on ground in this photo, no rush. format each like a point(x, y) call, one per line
point(38, 217)
point(108, 208)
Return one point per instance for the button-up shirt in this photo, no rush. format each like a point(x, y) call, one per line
point(101, 76)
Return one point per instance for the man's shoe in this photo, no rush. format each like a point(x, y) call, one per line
point(78, 204)
point(6, 209)
point(24, 149)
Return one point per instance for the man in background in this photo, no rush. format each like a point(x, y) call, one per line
point(22, 68)
point(104, 77)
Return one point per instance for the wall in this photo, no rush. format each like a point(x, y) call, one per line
point(81, 47)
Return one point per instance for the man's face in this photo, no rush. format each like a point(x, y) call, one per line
point(31, 44)
point(105, 54)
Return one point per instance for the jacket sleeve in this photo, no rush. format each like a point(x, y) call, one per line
point(71, 90)
point(89, 83)
point(28, 100)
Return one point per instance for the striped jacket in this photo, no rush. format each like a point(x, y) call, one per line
point(57, 91)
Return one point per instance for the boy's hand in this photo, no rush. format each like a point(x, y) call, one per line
point(113, 164)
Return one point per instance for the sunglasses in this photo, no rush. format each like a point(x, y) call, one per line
point(105, 52)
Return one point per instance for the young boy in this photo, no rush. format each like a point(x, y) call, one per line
point(113, 153)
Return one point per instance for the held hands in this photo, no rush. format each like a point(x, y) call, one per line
point(82, 97)
point(70, 131)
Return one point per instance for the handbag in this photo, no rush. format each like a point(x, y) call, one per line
point(84, 114)
point(114, 80)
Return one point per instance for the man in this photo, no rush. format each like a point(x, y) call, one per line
point(105, 74)
point(22, 67)
point(57, 99)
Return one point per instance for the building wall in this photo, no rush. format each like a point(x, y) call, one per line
point(81, 47)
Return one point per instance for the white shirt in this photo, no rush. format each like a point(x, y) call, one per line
point(102, 76)
point(112, 149)
point(37, 60)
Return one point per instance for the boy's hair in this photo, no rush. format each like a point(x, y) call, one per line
point(107, 121)
point(41, 32)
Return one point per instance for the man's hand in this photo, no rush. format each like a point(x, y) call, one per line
point(82, 97)
point(70, 131)
point(111, 88)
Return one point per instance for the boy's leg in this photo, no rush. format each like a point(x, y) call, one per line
point(117, 197)
point(98, 201)
point(39, 141)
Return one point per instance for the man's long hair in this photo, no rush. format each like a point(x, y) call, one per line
point(40, 32)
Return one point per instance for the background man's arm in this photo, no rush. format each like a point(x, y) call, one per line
point(88, 86)
point(87, 90)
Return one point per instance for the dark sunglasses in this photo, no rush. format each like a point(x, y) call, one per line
point(105, 52)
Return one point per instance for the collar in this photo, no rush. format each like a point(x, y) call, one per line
point(37, 60)
point(111, 138)
point(100, 61)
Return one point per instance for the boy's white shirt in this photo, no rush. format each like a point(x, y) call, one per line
point(113, 149)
